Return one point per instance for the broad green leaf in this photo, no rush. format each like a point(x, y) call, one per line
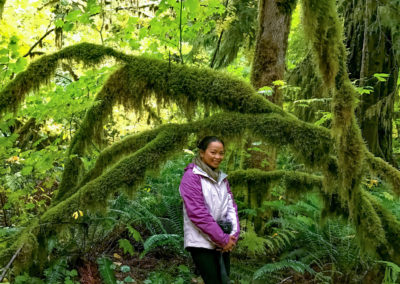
point(20, 64)
point(125, 268)
point(29, 206)
point(59, 23)
point(68, 26)
point(192, 5)
point(73, 16)
point(129, 279)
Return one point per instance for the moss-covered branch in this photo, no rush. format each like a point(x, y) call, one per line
point(170, 82)
point(127, 174)
point(383, 169)
point(374, 225)
point(295, 182)
point(272, 128)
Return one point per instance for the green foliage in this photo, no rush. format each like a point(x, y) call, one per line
point(163, 240)
point(250, 243)
point(106, 272)
point(274, 267)
point(58, 273)
point(327, 250)
point(126, 246)
point(25, 278)
point(140, 80)
point(391, 272)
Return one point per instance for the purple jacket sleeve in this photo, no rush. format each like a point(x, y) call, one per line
point(233, 213)
point(192, 194)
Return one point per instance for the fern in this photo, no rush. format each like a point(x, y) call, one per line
point(126, 246)
point(154, 241)
point(56, 272)
point(270, 268)
point(391, 272)
point(106, 273)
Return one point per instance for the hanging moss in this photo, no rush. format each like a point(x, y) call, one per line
point(322, 27)
point(111, 155)
point(313, 92)
point(123, 165)
point(386, 171)
point(374, 225)
point(295, 182)
point(171, 82)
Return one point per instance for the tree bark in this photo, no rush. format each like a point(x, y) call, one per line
point(271, 46)
point(371, 51)
point(274, 19)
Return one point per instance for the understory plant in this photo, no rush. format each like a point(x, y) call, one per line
point(302, 245)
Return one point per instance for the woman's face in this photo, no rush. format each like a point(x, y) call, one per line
point(213, 155)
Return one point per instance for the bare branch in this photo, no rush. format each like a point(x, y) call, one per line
point(38, 42)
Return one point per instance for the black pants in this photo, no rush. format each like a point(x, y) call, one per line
point(214, 266)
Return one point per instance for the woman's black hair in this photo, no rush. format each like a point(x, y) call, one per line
point(203, 144)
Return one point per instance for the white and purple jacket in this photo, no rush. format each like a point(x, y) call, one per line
point(205, 201)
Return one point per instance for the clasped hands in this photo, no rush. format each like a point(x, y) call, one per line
point(229, 246)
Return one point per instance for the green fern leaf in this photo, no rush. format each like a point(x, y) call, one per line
point(106, 273)
point(126, 246)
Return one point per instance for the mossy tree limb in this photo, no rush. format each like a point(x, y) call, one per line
point(186, 86)
point(324, 30)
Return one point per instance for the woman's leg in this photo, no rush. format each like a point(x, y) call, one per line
point(227, 262)
point(207, 262)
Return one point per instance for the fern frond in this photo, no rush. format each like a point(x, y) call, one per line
point(162, 240)
point(274, 267)
point(106, 273)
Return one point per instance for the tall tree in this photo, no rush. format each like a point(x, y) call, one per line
point(274, 19)
point(371, 51)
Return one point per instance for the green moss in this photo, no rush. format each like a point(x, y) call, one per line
point(124, 164)
point(342, 181)
point(169, 82)
point(383, 169)
point(322, 27)
point(295, 182)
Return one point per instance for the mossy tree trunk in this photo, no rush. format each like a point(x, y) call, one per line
point(274, 19)
point(271, 45)
point(370, 51)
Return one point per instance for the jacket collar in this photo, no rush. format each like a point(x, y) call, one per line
point(199, 171)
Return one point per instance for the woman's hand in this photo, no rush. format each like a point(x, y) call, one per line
point(229, 246)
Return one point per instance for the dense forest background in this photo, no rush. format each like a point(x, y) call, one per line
point(101, 105)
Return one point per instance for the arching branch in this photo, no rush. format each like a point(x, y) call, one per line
point(171, 82)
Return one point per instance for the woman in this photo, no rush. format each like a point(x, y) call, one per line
point(211, 224)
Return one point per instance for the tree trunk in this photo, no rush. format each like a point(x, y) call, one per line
point(271, 45)
point(274, 19)
point(371, 51)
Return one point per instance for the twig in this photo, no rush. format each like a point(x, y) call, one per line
point(150, 5)
point(180, 32)
point(9, 264)
point(216, 50)
point(38, 42)
point(284, 280)
point(61, 76)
